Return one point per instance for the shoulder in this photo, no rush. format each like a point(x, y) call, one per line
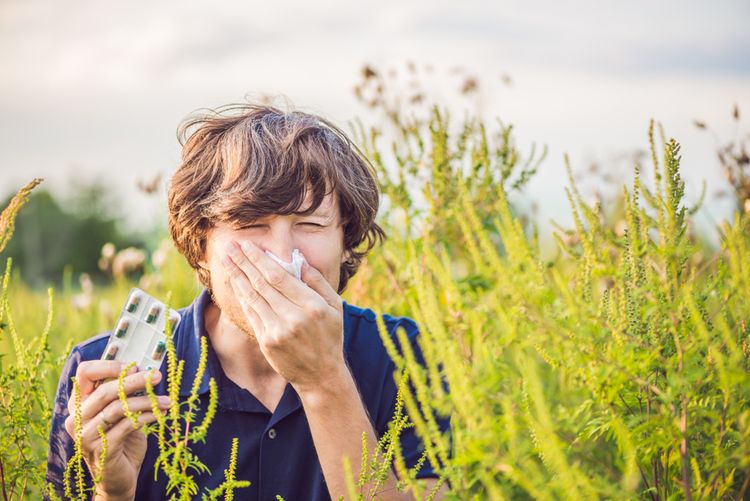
point(361, 327)
point(366, 348)
point(92, 348)
point(366, 318)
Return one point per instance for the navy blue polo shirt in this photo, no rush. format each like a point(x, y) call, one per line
point(276, 451)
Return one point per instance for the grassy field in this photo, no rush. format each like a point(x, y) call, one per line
point(618, 369)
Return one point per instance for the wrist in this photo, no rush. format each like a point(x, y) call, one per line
point(338, 384)
point(102, 495)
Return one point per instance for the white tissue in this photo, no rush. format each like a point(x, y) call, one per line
point(295, 267)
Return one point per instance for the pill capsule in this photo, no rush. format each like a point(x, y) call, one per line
point(159, 350)
point(174, 319)
point(122, 328)
point(111, 352)
point(153, 312)
point(133, 302)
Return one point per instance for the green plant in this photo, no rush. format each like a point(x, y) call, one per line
point(24, 403)
point(174, 430)
point(618, 371)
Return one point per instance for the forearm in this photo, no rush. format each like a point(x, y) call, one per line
point(337, 419)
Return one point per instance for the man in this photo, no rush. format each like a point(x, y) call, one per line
point(301, 374)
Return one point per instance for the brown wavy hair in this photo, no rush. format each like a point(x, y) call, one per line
point(244, 162)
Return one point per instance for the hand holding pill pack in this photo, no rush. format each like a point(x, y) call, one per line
point(139, 332)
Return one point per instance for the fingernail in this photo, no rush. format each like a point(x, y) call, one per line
point(164, 400)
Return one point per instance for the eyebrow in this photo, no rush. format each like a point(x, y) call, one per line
point(326, 216)
point(318, 212)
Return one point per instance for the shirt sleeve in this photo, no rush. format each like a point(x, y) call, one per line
point(412, 446)
point(60, 442)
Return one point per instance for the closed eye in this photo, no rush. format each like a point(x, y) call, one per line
point(307, 223)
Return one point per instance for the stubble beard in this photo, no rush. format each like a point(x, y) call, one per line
point(234, 314)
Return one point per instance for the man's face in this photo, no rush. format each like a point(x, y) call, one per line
point(319, 237)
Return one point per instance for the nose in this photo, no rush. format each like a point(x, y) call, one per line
point(280, 239)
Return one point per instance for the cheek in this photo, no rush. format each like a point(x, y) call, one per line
point(223, 291)
point(322, 257)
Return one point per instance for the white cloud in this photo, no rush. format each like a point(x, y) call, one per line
point(102, 85)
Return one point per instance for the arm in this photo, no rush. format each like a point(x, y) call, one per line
point(299, 329)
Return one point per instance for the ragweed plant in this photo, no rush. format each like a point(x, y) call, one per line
point(24, 404)
point(8, 216)
point(25, 409)
point(376, 465)
point(618, 371)
point(230, 483)
point(175, 430)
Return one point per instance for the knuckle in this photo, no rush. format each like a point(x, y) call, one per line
point(261, 287)
point(316, 311)
point(102, 396)
point(71, 403)
point(69, 425)
point(234, 272)
point(84, 366)
point(274, 341)
point(276, 277)
point(253, 257)
point(252, 297)
point(114, 411)
point(295, 327)
point(133, 383)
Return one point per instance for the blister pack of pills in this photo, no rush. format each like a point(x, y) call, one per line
point(139, 334)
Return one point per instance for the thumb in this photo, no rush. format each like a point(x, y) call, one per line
point(317, 282)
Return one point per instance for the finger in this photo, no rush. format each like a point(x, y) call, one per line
point(91, 371)
point(277, 277)
point(317, 282)
point(109, 392)
point(119, 432)
point(115, 411)
point(249, 285)
point(245, 302)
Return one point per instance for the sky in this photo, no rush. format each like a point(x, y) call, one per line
point(95, 89)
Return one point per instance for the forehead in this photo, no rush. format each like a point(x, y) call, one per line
point(328, 208)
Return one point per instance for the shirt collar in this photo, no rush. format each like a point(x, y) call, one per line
point(231, 396)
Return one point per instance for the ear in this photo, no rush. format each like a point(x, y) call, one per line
point(203, 263)
point(346, 256)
